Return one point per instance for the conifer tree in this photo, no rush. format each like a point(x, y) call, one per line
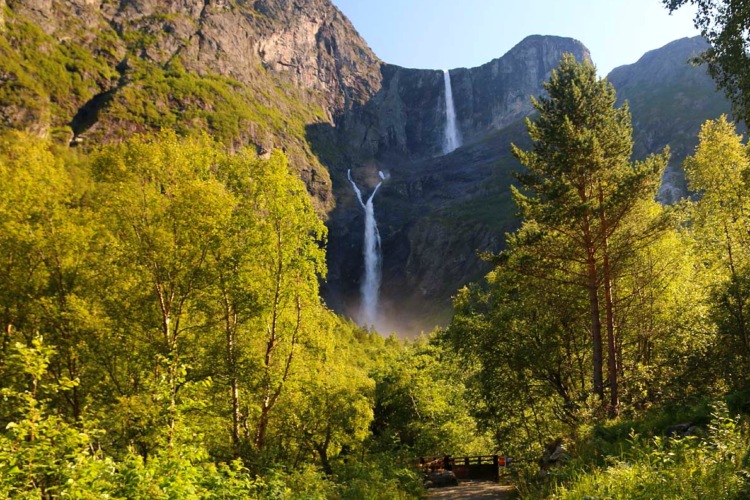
point(578, 190)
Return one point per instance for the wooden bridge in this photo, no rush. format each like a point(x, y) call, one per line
point(480, 467)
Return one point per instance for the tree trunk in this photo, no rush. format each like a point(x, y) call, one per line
point(740, 302)
point(592, 286)
point(596, 324)
point(169, 329)
point(231, 332)
point(612, 369)
point(614, 399)
point(596, 329)
point(236, 418)
point(7, 336)
point(260, 434)
point(324, 462)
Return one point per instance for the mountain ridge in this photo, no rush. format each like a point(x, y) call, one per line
point(669, 100)
point(295, 74)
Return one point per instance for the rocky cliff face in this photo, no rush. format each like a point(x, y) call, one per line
point(309, 41)
point(317, 46)
point(669, 98)
point(405, 119)
point(253, 73)
point(434, 212)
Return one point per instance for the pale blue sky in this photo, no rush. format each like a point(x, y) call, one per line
point(438, 34)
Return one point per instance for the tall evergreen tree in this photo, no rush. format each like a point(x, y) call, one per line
point(578, 190)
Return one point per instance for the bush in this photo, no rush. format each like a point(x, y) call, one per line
point(660, 467)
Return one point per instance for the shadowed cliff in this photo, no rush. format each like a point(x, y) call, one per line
point(435, 212)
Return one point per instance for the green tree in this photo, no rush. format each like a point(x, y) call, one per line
point(165, 211)
point(49, 250)
point(34, 186)
point(725, 24)
point(528, 353)
point(42, 455)
point(176, 288)
point(421, 404)
point(719, 172)
point(291, 261)
point(581, 190)
point(332, 408)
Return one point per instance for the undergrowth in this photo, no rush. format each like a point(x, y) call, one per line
point(715, 465)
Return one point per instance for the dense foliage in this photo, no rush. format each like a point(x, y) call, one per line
point(163, 336)
point(610, 317)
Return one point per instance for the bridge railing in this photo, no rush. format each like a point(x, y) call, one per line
point(472, 467)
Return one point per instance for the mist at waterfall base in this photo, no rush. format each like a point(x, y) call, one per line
point(452, 137)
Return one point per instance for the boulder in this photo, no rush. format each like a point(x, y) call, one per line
point(554, 453)
point(679, 430)
point(440, 479)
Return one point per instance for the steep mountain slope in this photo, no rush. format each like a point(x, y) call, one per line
point(669, 100)
point(405, 119)
point(434, 212)
point(248, 73)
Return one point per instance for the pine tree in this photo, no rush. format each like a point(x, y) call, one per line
point(578, 190)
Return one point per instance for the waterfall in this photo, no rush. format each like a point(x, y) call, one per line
point(452, 138)
point(370, 287)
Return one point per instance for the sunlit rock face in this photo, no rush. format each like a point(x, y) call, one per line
point(295, 63)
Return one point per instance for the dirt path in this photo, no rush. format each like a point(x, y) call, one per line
point(474, 490)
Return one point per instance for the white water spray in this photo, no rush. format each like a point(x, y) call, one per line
point(452, 139)
point(370, 287)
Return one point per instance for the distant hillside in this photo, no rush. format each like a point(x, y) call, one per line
point(669, 100)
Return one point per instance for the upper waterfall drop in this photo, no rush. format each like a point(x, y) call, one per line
point(370, 287)
point(452, 138)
